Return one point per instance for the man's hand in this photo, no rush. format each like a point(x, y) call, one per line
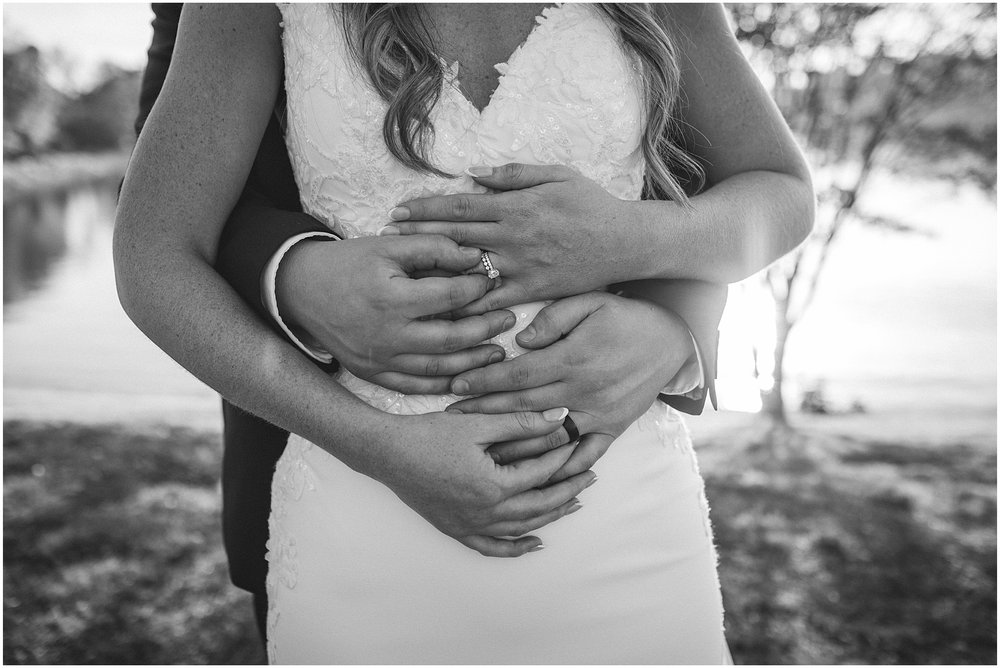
point(605, 357)
point(465, 494)
point(553, 233)
point(357, 299)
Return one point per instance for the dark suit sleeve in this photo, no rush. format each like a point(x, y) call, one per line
point(699, 305)
point(268, 212)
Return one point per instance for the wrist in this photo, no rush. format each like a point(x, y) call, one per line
point(679, 354)
point(293, 273)
point(651, 247)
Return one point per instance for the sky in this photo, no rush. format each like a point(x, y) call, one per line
point(91, 33)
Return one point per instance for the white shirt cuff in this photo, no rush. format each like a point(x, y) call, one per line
point(269, 293)
point(690, 380)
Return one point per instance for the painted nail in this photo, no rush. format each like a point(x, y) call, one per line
point(460, 387)
point(556, 414)
point(496, 356)
point(388, 231)
point(399, 213)
point(528, 334)
point(537, 548)
point(479, 171)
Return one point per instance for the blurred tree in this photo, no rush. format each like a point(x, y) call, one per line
point(30, 104)
point(898, 87)
point(101, 119)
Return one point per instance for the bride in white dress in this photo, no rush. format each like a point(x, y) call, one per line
point(355, 575)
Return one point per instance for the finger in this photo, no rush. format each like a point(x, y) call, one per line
point(506, 294)
point(449, 336)
point(533, 399)
point(512, 451)
point(499, 547)
point(428, 252)
point(467, 234)
point(527, 474)
point(463, 207)
point(556, 321)
point(521, 527)
point(515, 176)
point(428, 296)
point(535, 502)
point(412, 384)
point(516, 426)
point(591, 448)
point(449, 364)
point(531, 370)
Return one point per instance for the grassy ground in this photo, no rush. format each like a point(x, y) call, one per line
point(840, 551)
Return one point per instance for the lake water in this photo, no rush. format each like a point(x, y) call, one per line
point(902, 322)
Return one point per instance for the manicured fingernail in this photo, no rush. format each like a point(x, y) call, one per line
point(496, 356)
point(399, 213)
point(592, 481)
point(452, 409)
point(479, 171)
point(472, 252)
point(556, 414)
point(575, 507)
point(388, 231)
point(538, 547)
point(460, 387)
point(528, 334)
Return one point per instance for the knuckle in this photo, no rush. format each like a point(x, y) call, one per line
point(432, 366)
point(460, 206)
point(554, 439)
point(523, 403)
point(525, 421)
point(518, 375)
point(452, 342)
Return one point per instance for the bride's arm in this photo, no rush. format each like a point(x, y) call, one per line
point(559, 233)
point(186, 173)
point(758, 202)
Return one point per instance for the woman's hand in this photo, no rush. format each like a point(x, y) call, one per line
point(441, 469)
point(552, 233)
point(606, 357)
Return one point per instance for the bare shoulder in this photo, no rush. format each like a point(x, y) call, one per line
point(688, 22)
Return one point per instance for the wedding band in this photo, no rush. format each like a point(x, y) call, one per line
point(491, 271)
point(571, 429)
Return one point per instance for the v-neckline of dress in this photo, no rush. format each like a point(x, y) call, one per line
point(503, 67)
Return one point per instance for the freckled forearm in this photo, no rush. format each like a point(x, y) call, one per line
point(729, 233)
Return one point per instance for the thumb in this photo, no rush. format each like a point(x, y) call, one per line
point(428, 252)
point(515, 176)
point(556, 321)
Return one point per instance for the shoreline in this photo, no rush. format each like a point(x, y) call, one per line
point(53, 172)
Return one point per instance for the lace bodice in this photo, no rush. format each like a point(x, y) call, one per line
point(569, 94)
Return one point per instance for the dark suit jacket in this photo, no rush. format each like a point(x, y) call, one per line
point(267, 214)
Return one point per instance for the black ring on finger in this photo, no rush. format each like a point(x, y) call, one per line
point(571, 429)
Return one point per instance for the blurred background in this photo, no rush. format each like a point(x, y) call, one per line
point(851, 467)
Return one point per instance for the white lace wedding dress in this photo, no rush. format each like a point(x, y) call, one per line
point(356, 576)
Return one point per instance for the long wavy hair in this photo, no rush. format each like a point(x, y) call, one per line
point(393, 45)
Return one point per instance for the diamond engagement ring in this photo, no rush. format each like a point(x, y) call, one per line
point(491, 271)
